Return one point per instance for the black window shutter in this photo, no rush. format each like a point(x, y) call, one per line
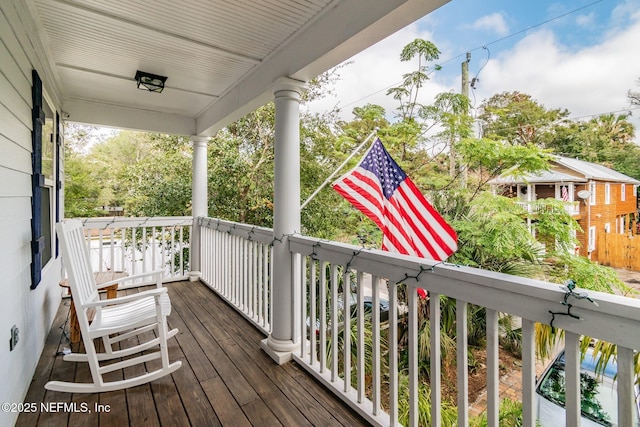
point(37, 238)
point(58, 188)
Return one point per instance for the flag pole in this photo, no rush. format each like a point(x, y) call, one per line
point(326, 181)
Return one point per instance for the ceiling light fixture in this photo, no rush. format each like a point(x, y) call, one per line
point(150, 82)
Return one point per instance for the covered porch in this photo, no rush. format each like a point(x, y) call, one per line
point(225, 315)
point(278, 280)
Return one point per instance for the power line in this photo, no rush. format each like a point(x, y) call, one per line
point(484, 46)
point(524, 30)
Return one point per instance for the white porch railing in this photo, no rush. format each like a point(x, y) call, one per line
point(236, 263)
point(140, 245)
point(364, 369)
point(614, 319)
point(572, 208)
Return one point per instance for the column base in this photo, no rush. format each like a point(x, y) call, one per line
point(280, 351)
point(194, 276)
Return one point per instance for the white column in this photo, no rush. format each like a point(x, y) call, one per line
point(199, 200)
point(286, 219)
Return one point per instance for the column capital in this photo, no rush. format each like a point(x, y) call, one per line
point(290, 85)
point(199, 139)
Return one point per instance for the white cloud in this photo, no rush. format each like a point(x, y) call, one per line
point(590, 81)
point(494, 22)
point(586, 20)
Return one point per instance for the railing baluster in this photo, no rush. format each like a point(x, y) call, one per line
point(143, 249)
point(173, 248)
point(493, 389)
point(462, 362)
point(100, 250)
point(323, 317)
point(226, 280)
point(393, 353)
point(346, 294)
point(240, 272)
point(181, 251)
point(134, 255)
point(413, 356)
point(243, 273)
point(335, 321)
point(375, 320)
point(361, 341)
point(626, 393)
point(237, 275)
point(112, 259)
point(303, 305)
point(154, 246)
point(123, 235)
point(528, 373)
point(435, 355)
point(164, 243)
point(313, 315)
point(253, 262)
point(260, 283)
point(266, 285)
point(572, 378)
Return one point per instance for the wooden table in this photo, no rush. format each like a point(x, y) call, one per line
point(112, 291)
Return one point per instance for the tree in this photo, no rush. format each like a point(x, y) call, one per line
point(159, 182)
point(408, 128)
point(607, 140)
point(82, 180)
point(517, 118)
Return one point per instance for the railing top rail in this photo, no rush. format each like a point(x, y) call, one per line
point(246, 231)
point(614, 318)
point(131, 222)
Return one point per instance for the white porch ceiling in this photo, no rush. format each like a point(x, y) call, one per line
point(221, 57)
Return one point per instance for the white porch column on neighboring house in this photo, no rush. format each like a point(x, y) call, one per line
point(286, 219)
point(199, 200)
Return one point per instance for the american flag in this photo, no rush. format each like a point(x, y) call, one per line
point(565, 193)
point(383, 192)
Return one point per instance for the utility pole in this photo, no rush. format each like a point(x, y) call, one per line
point(464, 91)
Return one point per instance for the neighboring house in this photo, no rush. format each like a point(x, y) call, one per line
point(599, 198)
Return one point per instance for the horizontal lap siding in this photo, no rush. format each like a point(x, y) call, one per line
point(31, 311)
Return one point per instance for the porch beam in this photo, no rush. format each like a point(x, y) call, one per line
point(286, 219)
point(118, 116)
point(199, 201)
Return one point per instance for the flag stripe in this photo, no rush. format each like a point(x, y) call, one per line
point(360, 191)
point(430, 219)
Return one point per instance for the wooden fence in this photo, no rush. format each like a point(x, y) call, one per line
point(618, 250)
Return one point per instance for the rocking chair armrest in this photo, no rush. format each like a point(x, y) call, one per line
point(127, 298)
point(157, 278)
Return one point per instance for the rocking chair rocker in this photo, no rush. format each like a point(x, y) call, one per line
point(114, 320)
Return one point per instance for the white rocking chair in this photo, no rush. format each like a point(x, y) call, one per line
point(114, 320)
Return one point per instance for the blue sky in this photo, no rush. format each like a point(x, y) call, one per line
point(583, 60)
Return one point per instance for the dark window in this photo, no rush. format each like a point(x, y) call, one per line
point(45, 166)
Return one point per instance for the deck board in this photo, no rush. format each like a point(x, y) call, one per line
point(225, 379)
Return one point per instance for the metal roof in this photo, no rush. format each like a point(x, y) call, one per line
point(221, 57)
point(578, 171)
point(595, 171)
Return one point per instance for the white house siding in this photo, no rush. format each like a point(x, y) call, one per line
point(32, 311)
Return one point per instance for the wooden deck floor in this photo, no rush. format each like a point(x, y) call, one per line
point(225, 379)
